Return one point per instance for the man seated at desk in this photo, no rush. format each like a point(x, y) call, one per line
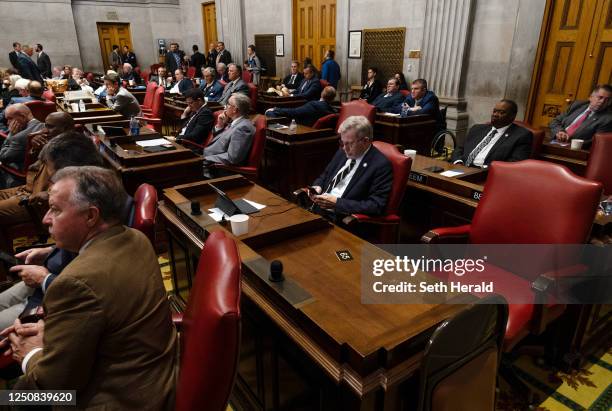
point(129, 75)
point(499, 141)
point(182, 84)
point(210, 86)
point(421, 101)
point(197, 119)
point(119, 99)
point(231, 141)
point(310, 112)
point(294, 78)
point(385, 102)
point(235, 84)
point(585, 118)
point(372, 88)
point(359, 177)
point(310, 89)
point(222, 72)
point(162, 78)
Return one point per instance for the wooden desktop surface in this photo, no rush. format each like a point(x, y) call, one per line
point(266, 101)
point(412, 132)
point(96, 112)
point(575, 160)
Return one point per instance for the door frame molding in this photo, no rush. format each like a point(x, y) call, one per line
point(205, 41)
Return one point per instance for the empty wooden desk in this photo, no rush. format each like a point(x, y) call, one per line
point(412, 132)
point(270, 100)
point(575, 160)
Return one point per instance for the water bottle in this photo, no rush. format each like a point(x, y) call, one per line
point(82, 108)
point(293, 126)
point(134, 126)
point(404, 112)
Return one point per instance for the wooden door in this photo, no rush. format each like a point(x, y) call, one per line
point(209, 22)
point(110, 34)
point(575, 55)
point(314, 32)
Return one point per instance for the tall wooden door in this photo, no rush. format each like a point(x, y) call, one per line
point(314, 29)
point(575, 55)
point(209, 21)
point(110, 34)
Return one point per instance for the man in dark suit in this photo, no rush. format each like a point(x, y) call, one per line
point(104, 312)
point(359, 177)
point(372, 88)
point(499, 141)
point(421, 101)
point(310, 89)
point(197, 60)
point(129, 57)
point(294, 78)
point(43, 62)
point(387, 101)
point(310, 112)
point(197, 119)
point(210, 86)
point(29, 69)
point(162, 78)
point(211, 56)
point(174, 58)
point(223, 56)
point(115, 59)
point(129, 75)
point(235, 84)
point(14, 56)
point(585, 118)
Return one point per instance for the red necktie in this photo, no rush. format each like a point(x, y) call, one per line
point(574, 126)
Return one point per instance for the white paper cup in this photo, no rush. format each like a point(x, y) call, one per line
point(132, 82)
point(576, 144)
point(410, 153)
point(240, 224)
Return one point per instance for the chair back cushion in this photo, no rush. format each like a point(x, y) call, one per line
point(598, 166)
point(191, 71)
point(49, 95)
point(328, 121)
point(538, 138)
point(404, 92)
point(149, 95)
point(247, 76)
point(157, 106)
point(145, 211)
point(211, 324)
point(41, 109)
point(253, 96)
point(356, 108)
point(259, 141)
point(145, 76)
point(401, 169)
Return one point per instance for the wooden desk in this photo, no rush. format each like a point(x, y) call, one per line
point(162, 169)
point(95, 112)
point(139, 93)
point(575, 160)
point(173, 109)
point(266, 101)
point(294, 160)
point(413, 132)
point(309, 340)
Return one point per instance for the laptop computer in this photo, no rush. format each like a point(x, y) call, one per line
point(230, 207)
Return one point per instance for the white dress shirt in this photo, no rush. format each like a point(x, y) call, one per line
point(338, 191)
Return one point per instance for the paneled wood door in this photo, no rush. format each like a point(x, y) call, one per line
point(110, 34)
point(209, 22)
point(575, 55)
point(314, 29)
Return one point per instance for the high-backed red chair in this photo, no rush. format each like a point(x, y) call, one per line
point(49, 95)
point(253, 96)
point(153, 68)
point(356, 108)
point(251, 169)
point(145, 76)
point(210, 327)
point(388, 223)
point(41, 109)
point(324, 83)
point(528, 202)
point(328, 121)
point(154, 118)
point(538, 137)
point(598, 165)
point(247, 76)
point(147, 103)
point(404, 92)
point(191, 72)
point(145, 211)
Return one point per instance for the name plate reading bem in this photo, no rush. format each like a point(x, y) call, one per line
point(418, 178)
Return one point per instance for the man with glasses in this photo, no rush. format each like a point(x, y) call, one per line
point(358, 179)
point(197, 119)
point(211, 87)
point(232, 135)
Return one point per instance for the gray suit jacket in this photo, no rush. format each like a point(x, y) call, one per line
point(125, 103)
point(13, 151)
point(238, 87)
point(232, 144)
point(600, 121)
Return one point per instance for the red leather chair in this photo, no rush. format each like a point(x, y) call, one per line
point(145, 76)
point(513, 210)
point(200, 147)
point(405, 92)
point(253, 96)
point(49, 95)
point(388, 223)
point(41, 109)
point(538, 137)
point(357, 108)
point(211, 329)
point(247, 76)
point(154, 118)
point(251, 169)
point(147, 103)
point(145, 211)
point(153, 68)
point(328, 121)
point(324, 83)
point(598, 166)
point(191, 71)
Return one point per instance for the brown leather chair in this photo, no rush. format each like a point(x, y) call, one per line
point(598, 165)
point(459, 366)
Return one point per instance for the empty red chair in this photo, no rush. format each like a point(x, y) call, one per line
point(328, 121)
point(357, 108)
point(145, 211)
point(211, 329)
point(49, 95)
point(154, 118)
point(191, 71)
point(247, 76)
point(253, 96)
point(145, 76)
point(41, 109)
point(598, 166)
point(147, 103)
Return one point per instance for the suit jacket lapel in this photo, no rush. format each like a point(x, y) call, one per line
point(503, 139)
point(360, 170)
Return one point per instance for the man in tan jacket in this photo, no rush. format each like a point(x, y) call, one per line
point(107, 331)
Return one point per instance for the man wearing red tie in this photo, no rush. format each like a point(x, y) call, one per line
point(585, 118)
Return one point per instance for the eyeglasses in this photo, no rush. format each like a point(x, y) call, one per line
point(229, 105)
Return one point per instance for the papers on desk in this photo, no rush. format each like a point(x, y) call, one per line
point(217, 214)
point(391, 114)
point(278, 126)
point(557, 142)
point(451, 173)
point(152, 142)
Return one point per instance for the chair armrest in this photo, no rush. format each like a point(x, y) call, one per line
point(363, 218)
point(448, 235)
point(548, 282)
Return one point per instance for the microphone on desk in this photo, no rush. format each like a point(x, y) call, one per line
point(276, 272)
point(195, 208)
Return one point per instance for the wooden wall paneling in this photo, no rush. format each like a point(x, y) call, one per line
point(266, 50)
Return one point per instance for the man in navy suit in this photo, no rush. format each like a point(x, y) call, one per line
point(499, 141)
point(387, 101)
point(29, 69)
point(310, 112)
point(197, 119)
point(310, 89)
point(421, 101)
point(182, 83)
point(294, 78)
point(210, 86)
point(359, 177)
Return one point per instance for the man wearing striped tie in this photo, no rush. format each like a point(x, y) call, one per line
point(499, 141)
point(359, 177)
